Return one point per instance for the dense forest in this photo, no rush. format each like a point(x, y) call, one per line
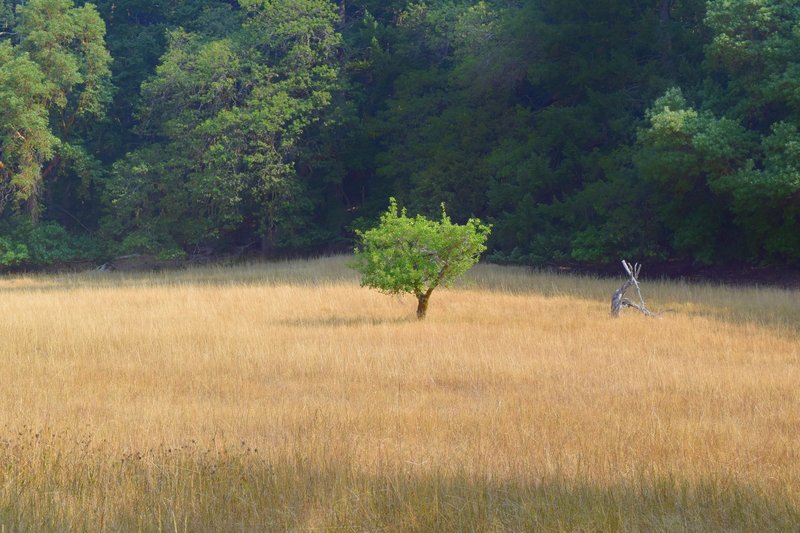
point(582, 130)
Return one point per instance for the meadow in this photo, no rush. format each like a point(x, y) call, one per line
point(282, 396)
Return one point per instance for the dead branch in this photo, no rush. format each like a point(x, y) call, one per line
point(618, 300)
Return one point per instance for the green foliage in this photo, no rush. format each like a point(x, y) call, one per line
point(6, 16)
point(172, 254)
point(49, 242)
point(762, 196)
point(753, 59)
point(225, 119)
point(53, 82)
point(683, 152)
point(68, 44)
point(416, 255)
point(12, 253)
point(26, 141)
point(724, 171)
point(522, 113)
point(34, 245)
point(582, 130)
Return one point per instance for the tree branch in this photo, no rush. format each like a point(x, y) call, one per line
point(618, 300)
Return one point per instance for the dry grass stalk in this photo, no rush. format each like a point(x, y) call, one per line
point(283, 396)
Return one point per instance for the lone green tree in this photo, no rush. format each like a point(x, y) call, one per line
point(416, 255)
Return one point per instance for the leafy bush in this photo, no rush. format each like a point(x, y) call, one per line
point(27, 244)
point(12, 253)
point(172, 254)
point(48, 243)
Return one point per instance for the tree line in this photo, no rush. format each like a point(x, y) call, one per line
point(581, 130)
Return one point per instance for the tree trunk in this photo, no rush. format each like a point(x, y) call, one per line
point(268, 239)
point(618, 298)
point(422, 304)
point(32, 206)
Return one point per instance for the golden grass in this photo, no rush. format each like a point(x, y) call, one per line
point(284, 397)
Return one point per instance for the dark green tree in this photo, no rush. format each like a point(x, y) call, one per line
point(753, 67)
point(724, 170)
point(683, 152)
point(225, 120)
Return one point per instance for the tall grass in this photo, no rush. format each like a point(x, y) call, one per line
point(283, 396)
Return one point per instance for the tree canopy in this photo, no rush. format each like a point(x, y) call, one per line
point(583, 131)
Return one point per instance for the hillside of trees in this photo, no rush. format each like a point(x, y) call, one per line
point(583, 130)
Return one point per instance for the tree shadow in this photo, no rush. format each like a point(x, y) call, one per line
point(344, 322)
point(411, 498)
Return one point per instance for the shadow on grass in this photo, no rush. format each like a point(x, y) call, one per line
point(344, 322)
point(431, 503)
point(252, 493)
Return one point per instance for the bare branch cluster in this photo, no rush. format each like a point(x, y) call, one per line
point(618, 300)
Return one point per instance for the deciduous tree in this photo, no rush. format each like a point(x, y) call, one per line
point(416, 255)
point(224, 119)
point(55, 79)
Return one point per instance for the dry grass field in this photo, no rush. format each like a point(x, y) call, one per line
point(284, 397)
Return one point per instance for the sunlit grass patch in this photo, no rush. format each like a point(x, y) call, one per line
point(284, 396)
